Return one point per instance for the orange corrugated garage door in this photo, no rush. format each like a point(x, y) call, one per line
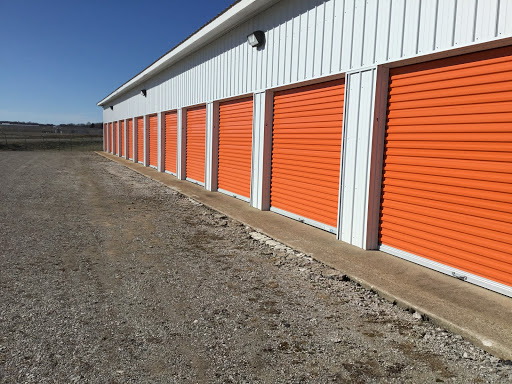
point(171, 139)
point(306, 152)
point(153, 140)
point(196, 143)
point(121, 134)
point(115, 138)
point(235, 146)
point(105, 137)
point(129, 150)
point(447, 177)
point(140, 139)
point(110, 137)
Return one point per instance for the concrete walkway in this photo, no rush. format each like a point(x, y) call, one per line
point(479, 315)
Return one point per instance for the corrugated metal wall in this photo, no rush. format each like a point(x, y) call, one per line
point(261, 146)
point(312, 38)
point(209, 149)
point(357, 156)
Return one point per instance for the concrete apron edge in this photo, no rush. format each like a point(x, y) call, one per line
point(494, 347)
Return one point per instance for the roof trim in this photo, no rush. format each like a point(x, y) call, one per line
point(229, 18)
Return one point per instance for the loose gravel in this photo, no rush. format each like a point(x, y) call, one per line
point(109, 277)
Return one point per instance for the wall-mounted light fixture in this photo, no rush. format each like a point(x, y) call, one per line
point(144, 92)
point(256, 39)
point(112, 107)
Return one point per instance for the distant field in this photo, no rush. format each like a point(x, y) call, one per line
point(33, 138)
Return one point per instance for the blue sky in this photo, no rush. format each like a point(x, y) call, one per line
point(58, 58)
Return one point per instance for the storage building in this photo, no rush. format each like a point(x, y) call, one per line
point(385, 122)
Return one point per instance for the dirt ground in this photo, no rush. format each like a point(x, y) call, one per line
point(109, 277)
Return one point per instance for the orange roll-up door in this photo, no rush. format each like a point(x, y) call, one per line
point(153, 140)
point(235, 146)
point(110, 137)
point(447, 175)
point(115, 138)
point(105, 140)
point(306, 151)
point(140, 139)
point(171, 140)
point(129, 150)
point(196, 143)
point(121, 134)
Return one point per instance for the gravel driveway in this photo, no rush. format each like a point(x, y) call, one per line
point(109, 277)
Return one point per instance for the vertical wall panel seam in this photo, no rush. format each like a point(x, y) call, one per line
point(250, 61)
point(403, 29)
point(245, 87)
point(300, 30)
point(208, 75)
point(342, 33)
point(234, 71)
point(475, 18)
point(229, 65)
point(241, 67)
point(498, 7)
point(287, 75)
point(291, 50)
point(351, 50)
point(454, 25)
point(267, 80)
point(323, 40)
point(284, 37)
point(321, 72)
point(418, 29)
point(361, 59)
point(436, 19)
point(313, 61)
point(259, 56)
point(332, 34)
point(271, 45)
point(310, 50)
point(389, 28)
point(302, 16)
point(376, 32)
point(282, 48)
point(232, 66)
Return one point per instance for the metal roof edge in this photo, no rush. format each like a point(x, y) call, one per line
point(227, 19)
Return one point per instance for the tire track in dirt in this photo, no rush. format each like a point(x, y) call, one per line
point(133, 232)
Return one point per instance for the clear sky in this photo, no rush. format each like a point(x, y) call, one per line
point(58, 58)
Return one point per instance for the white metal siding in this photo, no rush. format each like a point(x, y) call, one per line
point(313, 38)
point(181, 138)
point(261, 147)
point(210, 148)
point(356, 160)
point(160, 165)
